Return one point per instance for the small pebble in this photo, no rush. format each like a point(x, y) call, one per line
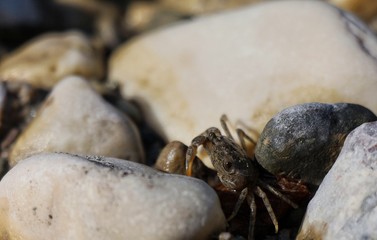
point(172, 159)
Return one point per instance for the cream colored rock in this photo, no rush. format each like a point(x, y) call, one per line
point(48, 58)
point(75, 119)
point(249, 64)
point(61, 196)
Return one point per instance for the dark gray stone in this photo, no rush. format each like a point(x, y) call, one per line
point(304, 141)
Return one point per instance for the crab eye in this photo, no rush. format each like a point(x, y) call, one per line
point(228, 166)
point(211, 135)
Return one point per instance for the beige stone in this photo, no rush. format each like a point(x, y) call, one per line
point(249, 64)
point(75, 119)
point(48, 58)
point(61, 196)
point(204, 6)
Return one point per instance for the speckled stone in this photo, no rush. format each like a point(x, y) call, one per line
point(61, 196)
point(345, 205)
point(303, 141)
point(48, 58)
point(238, 63)
point(75, 119)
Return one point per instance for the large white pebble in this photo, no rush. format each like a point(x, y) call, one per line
point(345, 205)
point(50, 57)
point(249, 64)
point(75, 119)
point(61, 196)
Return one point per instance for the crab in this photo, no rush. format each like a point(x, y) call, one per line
point(235, 169)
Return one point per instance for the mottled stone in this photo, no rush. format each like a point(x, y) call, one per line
point(50, 57)
point(75, 119)
point(237, 62)
point(61, 196)
point(304, 141)
point(345, 205)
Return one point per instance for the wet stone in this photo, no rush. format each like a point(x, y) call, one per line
point(40, 199)
point(303, 141)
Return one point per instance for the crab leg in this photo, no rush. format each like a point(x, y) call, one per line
point(242, 136)
point(277, 193)
point(253, 214)
point(191, 153)
point(240, 200)
point(267, 203)
point(223, 121)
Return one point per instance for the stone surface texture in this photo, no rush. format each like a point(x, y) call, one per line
point(249, 64)
point(303, 141)
point(48, 58)
point(61, 196)
point(345, 205)
point(75, 119)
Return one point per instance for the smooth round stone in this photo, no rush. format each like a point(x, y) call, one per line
point(50, 57)
point(344, 206)
point(249, 64)
point(75, 119)
point(303, 141)
point(62, 196)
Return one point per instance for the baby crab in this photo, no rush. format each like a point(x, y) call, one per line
point(235, 169)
